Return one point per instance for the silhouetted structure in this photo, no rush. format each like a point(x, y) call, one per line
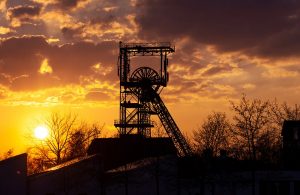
point(13, 175)
point(119, 151)
point(291, 143)
point(139, 94)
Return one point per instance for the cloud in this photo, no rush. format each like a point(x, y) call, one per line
point(73, 62)
point(217, 69)
point(72, 20)
point(103, 20)
point(21, 55)
point(31, 63)
point(70, 3)
point(24, 11)
point(280, 73)
point(72, 33)
point(63, 4)
point(260, 28)
point(216, 44)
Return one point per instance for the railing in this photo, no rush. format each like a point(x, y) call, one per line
point(154, 44)
point(170, 126)
point(134, 122)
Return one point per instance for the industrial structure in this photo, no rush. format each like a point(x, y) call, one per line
point(140, 93)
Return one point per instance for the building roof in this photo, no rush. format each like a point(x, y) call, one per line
point(119, 151)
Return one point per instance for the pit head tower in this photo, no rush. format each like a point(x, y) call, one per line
point(140, 93)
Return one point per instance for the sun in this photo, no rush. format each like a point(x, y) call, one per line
point(41, 132)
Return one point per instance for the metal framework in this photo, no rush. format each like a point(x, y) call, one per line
point(139, 93)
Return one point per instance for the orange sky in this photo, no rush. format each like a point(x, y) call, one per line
point(62, 55)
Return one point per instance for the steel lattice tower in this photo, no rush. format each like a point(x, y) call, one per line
point(139, 93)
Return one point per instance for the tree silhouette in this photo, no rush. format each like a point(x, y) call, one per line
point(66, 140)
point(269, 146)
point(9, 153)
point(281, 112)
point(60, 127)
point(251, 119)
point(213, 134)
point(81, 137)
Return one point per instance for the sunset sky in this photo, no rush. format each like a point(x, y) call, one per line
point(61, 55)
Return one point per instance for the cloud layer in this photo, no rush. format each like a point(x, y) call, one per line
point(30, 63)
point(260, 28)
point(223, 48)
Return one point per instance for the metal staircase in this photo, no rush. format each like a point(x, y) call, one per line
point(170, 126)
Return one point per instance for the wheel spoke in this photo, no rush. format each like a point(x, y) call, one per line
point(145, 74)
point(140, 75)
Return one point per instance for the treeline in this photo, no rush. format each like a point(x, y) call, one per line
point(252, 133)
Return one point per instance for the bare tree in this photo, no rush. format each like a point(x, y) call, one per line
point(278, 114)
point(81, 137)
point(269, 146)
point(9, 153)
point(67, 140)
point(213, 134)
point(36, 162)
point(251, 119)
point(61, 127)
point(281, 112)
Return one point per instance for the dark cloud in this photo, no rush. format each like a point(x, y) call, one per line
point(14, 3)
point(24, 11)
point(21, 59)
point(69, 3)
point(71, 61)
point(71, 34)
point(105, 18)
point(23, 55)
point(264, 28)
point(182, 85)
point(66, 5)
point(32, 28)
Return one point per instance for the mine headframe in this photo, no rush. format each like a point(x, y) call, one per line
point(128, 50)
point(139, 93)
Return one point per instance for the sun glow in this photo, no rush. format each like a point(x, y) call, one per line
point(41, 132)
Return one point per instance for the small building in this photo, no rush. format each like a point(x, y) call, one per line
point(291, 144)
point(129, 148)
point(13, 175)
